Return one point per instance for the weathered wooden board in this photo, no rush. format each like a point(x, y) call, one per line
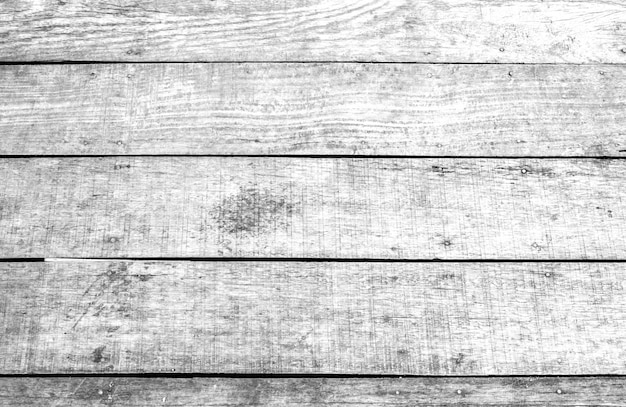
point(365, 109)
point(313, 208)
point(313, 317)
point(466, 392)
point(314, 30)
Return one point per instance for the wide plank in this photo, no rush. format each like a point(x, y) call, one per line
point(313, 208)
point(314, 30)
point(331, 392)
point(313, 317)
point(313, 109)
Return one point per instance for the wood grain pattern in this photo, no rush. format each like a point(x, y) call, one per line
point(365, 109)
point(332, 392)
point(313, 208)
point(314, 30)
point(314, 317)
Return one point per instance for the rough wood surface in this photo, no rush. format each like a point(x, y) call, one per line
point(313, 207)
point(314, 317)
point(433, 392)
point(379, 109)
point(314, 30)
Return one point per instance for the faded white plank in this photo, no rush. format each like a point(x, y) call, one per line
point(332, 392)
point(380, 109)
point(283, 317)
point(314, 30)
point(313, 207)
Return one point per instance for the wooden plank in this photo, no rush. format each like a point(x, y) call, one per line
point(466, 392)
point(314, 30)
point(313, 317)
point(313, 208)
point(365, 109)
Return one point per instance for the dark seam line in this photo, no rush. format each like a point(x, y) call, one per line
point(312, 62)
point(297, 375)
point(23, 260)
point(326, 260)
point(317, 156)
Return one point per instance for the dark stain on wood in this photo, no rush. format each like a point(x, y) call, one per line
point(403, 353)
point(524, 382)
point(121, 166)
point(459, 359)
point(8, 207)
point(97, 356)
point(441, 170)
point(251, 212)
point(530, 170)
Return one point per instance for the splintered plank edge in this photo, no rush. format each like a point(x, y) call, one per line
point(300, 109)
point(321, 317)
point(331, 392)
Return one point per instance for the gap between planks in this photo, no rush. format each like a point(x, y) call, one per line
point(329, 62)
point(315, 156)
point(307, 260)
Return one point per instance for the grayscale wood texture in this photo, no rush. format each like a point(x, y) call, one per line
point(524, 31)
point(357, 208)
point(314, 317)
point(364, 109)
point(331, 392)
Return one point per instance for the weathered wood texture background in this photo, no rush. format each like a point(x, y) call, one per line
point(521, 31)
point(347, 318)
point(468, 209)
point(187, 172)
point(300, 109)
point(332, 392)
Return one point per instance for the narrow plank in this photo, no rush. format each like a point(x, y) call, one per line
point(314, 30)
point(313, 317)
point(466, 392)
point(313, 208)
point(365, 109)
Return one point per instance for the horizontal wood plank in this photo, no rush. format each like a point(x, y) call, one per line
point(434, 392)
point(314, 30)
point(313, 317)
point(313, 208)
point(300, 109)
